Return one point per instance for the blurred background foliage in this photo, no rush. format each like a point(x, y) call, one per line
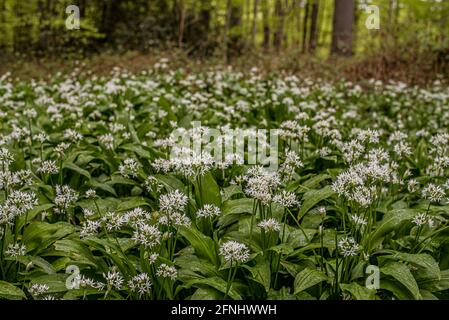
point(412, 32)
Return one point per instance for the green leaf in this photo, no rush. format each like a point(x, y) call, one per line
point(359, 292)
point(312, 198)
point(261, 273)
point(10, 292)
point(204, 246)
point(308, 278)
point(103, 186)
point(422, 260)
point(210, 191)
point(56, 282)
point(33, 213)
point(402, 274)
point(74, 167)
point(216, 283)
point(390, 221)
point(40, 235)
point(77, 251)
point(206, 293)
point(132, 203)
point(233, 210)
point(436, 284)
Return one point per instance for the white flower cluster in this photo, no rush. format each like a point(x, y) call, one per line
point(233, 251)
point(208, 211)
point(17, 203)
point(166, 271)
point(65, 197)
point(261, 184)
point(348, 247)
point(270, 225)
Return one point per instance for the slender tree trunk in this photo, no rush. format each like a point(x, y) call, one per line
point(343, 24)
point(298, 24)
point(304, 27)
point(254, 28)
point(205, 17)
point(266, 25)
point(279, 32)
point(226, 29)
point(182, 18)
point(314, 26)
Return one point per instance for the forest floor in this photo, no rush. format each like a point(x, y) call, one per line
point(383, 66)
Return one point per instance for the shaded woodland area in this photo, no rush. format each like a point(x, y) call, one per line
point(410, 31)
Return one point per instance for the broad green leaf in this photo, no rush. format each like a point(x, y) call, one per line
point(232, 210)
point(74, 167)
point(389, 222)
point(210, 192)
point(436, 284)
point(261, 273)
point(402, 274)
point(358, 292)
point(206, 293)
point(131, 203)
point(216, 283)
point(40, 235)
point(422, 260)
point(308, 278)
point(10, 292)
point(33, 213)
point(204, 246)
point(312, 198)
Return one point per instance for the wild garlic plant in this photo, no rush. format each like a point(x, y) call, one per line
point(99, 200)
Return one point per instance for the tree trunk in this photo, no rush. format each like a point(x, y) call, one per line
point(298, 24)
point(279, 32)
point(314, 26)
point(205, 19)
point(182, 18)
point(304, 28)
point(266, 25)
point(254, 28)
point(343, 23)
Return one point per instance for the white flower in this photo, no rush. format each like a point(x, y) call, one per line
point(87, 282)
point(6, 158)
point(65, 196)
point(166, 271)
point(153, 258)
point(114, 279)
point(48, 166)
point(140, 283)
point(147, 235)
point(107, 140)
point(412, 186)
point(17, 203)
point(38, 289)
point(61, 148)
point(420, 219)
point(88, 212)
point(90, 228)
point(114, 221)
point(91, 193)
point(286, 199)
point(208, 211)
point(174, 201)
point(359, 220)
point(129, 168)
point(433, 193)
point(153, 185)
point(348, 246)
point(72, 135)
point(233, 251)
point(270, 225)
point(16, 250)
